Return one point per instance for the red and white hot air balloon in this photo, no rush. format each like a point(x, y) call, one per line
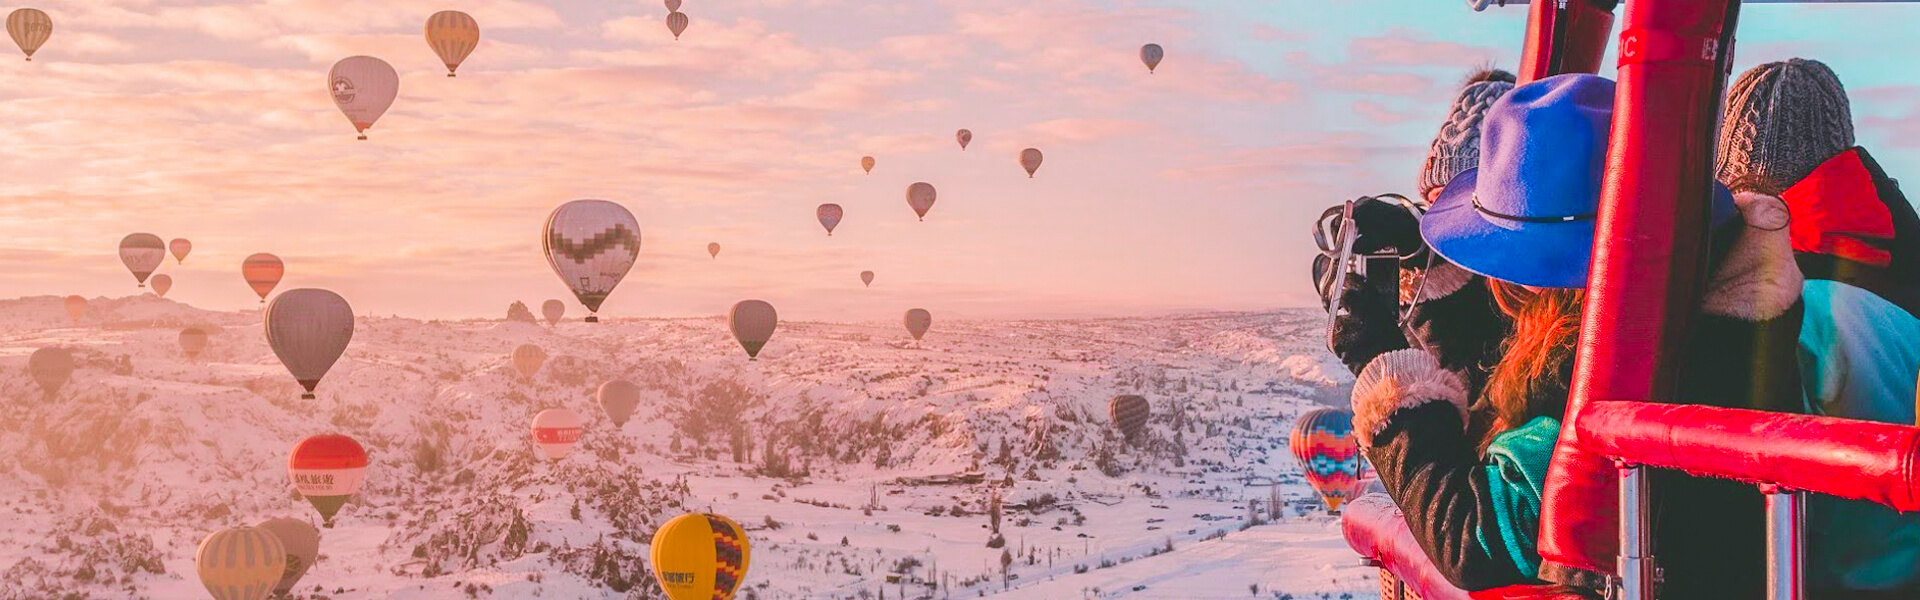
point(327, 469)
point(556, 430)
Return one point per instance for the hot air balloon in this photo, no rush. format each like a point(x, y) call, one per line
point(866, 277)
point(76, 308)
point(965, 137)
point(753, 322)
point(452, 35)
point(1129, 413)
point(302, 542)
point(619, 397)
point(920, 196)
point(142, 253)
point(1151, 54)
point(327, 469)
point(363, 87)
point(713, 249)
point(161, 283)
point(918, 320)
point(866, 164)
point(676, 23)
point(309, 329)
point(556, 430)
point(591, 245)
point(553, 309)
point(700, 556)
point(51, 368)
point(193, 341)
point(829, 215)
point(527, 359)
point(179, 247)
point(30, 28)
point(1329, 456)
point(263, 271)
point(1030, 160)
point(240, 563)
point(673, 6)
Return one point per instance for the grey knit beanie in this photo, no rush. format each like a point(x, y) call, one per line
point(1457, 147)
point(1783, 119)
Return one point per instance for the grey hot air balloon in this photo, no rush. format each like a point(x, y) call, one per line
point(240, 563)
point(829, 215)
point(1151, 54)
point(527, 359)
point(677, 23)
point(1129, 414)
point(161, 283)
point(965, 137)
point(920, 196)
point(30, 29)
point(619, 397)
point(866, 277)
point(553, 309)
point(302, 543)
point(918, 320)
point(142, 253)
point(309, 329)
point(180, 247)
point(452, 35)
point(364, 88)
point(51, 368)
point(753, 322)
point(591, 244)
point(866, 164)
point(1030, 160)
point(713, 249)
point(193, 341)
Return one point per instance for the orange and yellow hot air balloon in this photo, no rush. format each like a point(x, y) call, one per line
point(700, 556)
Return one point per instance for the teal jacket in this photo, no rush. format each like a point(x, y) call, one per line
point(1516, 470)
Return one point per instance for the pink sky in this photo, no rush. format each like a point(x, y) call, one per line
point(1187, 189)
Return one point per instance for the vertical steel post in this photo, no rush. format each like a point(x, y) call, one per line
point(1638, 574)
point(1785, 543)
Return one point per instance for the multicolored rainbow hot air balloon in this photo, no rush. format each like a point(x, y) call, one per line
point(1323, 441)
point(700, 556)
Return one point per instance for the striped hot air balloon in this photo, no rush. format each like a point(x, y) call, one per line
point(262, 272)
point(142, 253)
point(700, 556)
point(1129, 413)
point(1329, 456)
point(327, 469)
point(677, 23)
point(453, 35)
point(527, 360)
point(591, 244)
point(753, 322)
point(556, 430)
point(241, 563)
point(364, 88)
point(30, 29)
point(829, 216)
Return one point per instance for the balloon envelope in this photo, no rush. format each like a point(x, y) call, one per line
point(180, 247)
point(965, 137)
point(918, 320)
point(700, 556)
point(1151, 54)
point(193, 341)
point(142, 253)
point(1030, 160)
point(713, 249)
point(866, 277)
point(1129, 413)
point(556, 430)
point(677, 23)
point(302, 542)
point(309, 329)
point(240, 563)
point(619, 397)
point(363, 87)
point(591, 244)
point(1329, 456)
point(553, 310)
point(527, 359)
point(51, 368)
point(327, 469)
point(30, 29)
point(829, 215)
point(76, 307)
point(453, 35)
point(262, 272)
point(920, 196)
point(161, 283)
point(673, 5)
point(866, 163)
point(753, 322)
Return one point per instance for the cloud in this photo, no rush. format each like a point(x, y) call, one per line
point(1405, 47)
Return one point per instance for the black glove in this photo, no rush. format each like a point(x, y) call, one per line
point(1386, 226)
point(1368, 326)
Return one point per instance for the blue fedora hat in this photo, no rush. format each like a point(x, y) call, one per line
point(1526, 215)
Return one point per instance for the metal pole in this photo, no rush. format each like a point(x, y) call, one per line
point(1638, 575)
point(1785, 543)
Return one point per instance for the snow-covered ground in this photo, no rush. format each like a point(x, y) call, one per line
point(861, 462)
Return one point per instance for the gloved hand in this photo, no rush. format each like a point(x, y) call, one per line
point(1368, 326)
point(1386, 226)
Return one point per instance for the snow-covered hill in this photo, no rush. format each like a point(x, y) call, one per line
point(861, 462)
